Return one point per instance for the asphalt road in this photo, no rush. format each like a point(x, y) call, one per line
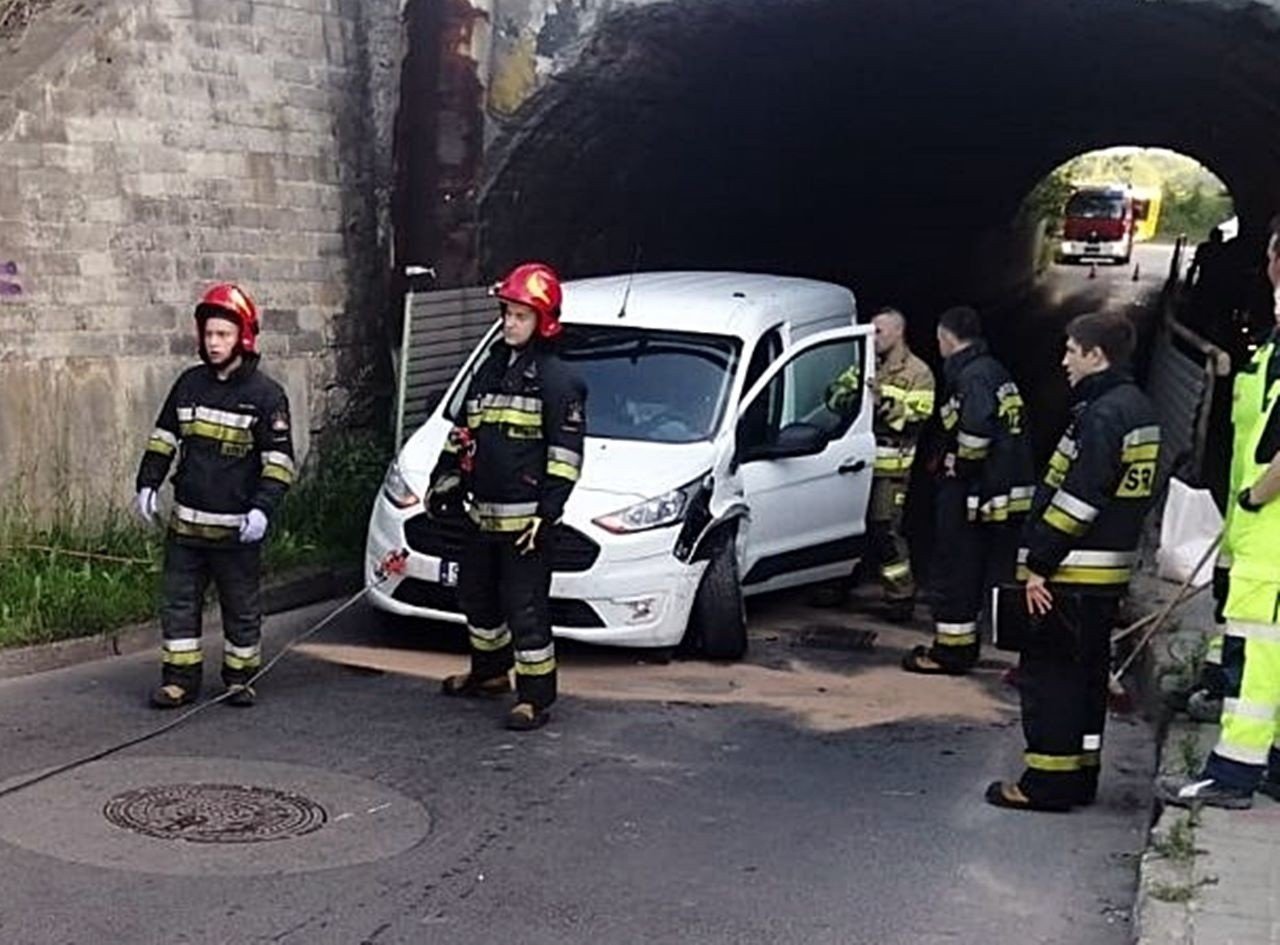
point(813, 794)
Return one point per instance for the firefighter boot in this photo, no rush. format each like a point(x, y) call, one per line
point(525, 717)
point(241, 696)
point(171, 696)
point(467, 686)
point(899, 611)
point(925, 661)
point(1010, 796)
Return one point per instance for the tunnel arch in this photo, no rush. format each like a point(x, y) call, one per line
point(881, 142)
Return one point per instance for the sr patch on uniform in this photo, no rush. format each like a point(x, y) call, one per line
point(574, 417)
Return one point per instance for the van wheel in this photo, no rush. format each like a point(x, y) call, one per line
point(719, 618)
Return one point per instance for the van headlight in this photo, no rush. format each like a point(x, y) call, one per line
point(396, 489)
point(658, 512)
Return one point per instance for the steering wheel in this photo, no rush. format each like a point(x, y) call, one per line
point(665, 415)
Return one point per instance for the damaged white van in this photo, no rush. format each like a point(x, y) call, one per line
point(714, 467)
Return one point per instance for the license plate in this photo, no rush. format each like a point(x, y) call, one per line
point(449, 573)
point(1093, 248)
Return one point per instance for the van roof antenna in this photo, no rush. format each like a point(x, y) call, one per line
point(626, 295)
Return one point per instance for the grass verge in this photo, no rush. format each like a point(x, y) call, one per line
point(85, 574)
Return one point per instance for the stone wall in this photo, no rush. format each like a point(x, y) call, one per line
point(151, 147)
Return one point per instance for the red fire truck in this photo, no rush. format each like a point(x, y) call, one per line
point(1099, 224)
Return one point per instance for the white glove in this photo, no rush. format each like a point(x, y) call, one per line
point(144, 505)
point(253, 527)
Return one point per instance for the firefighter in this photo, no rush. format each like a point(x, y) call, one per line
point(514, 457)
point(1247, 756)
point(1080, 545)
point(228, 424)
point(904, 400)
point(984, 490)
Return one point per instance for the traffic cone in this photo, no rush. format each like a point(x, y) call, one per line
point(1137, 272)
point(1093, 270)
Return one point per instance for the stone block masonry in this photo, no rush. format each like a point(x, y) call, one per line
point(151, 147)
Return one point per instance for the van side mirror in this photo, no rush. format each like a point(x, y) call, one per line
point(795, 439)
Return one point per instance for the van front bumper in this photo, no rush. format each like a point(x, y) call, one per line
point(627, 590)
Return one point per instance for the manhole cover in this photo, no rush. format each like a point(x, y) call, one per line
point(215, 813)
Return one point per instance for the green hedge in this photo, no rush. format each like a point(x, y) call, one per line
point(84, 574)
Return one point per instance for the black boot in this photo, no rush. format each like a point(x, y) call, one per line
point(468, 686)
point(172, 695)
point(525, 717)
point(1010, 796)
point(924, 660)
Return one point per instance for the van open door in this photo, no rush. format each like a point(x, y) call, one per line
point(805, 456)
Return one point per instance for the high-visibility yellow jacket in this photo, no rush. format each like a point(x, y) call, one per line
point(1253, 536)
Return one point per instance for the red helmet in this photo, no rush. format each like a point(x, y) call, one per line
point(536, 285)
point(225, 300)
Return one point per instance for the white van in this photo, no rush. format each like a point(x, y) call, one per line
point(713, 466)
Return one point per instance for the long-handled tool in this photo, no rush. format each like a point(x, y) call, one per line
point(1121, 701)
point(392, 564)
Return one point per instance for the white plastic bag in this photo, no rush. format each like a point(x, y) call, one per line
point(1191, 523)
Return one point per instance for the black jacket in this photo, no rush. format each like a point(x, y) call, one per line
point(234, 445)
point(525, 413)
point(1087, 516)
point(985, 439)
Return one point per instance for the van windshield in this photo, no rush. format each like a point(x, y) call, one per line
point(656, 386)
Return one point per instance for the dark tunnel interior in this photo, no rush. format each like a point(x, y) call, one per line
point(886, 144)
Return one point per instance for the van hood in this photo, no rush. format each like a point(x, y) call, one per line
point(631, 469)
point(642, 470)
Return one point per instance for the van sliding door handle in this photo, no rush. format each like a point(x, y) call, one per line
point(854, 467)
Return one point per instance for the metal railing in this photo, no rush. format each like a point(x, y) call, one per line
point(1187, 372)
point(440, 329)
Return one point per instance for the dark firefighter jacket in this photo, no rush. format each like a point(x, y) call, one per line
point(1088, 512)
point(234, 445)
point(984, 435)
point(524, 420)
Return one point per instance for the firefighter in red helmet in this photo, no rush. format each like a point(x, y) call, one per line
point(514, 458)
point(228, 424)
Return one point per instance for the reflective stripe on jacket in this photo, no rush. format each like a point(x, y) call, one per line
point(985, 439)
point(525, 416)
point(233, 443)
point(904, 402)
point(1088, 511)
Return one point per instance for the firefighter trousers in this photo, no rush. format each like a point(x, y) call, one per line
point(1250, 737)
point(970, 558)
point(236, 573)
point(888, 546)
point(506, 598)
point(1062, 675)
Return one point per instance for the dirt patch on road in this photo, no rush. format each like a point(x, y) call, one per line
point(834, 694)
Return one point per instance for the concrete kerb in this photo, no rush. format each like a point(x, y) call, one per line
point(288, 592)
point(1171, 881)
